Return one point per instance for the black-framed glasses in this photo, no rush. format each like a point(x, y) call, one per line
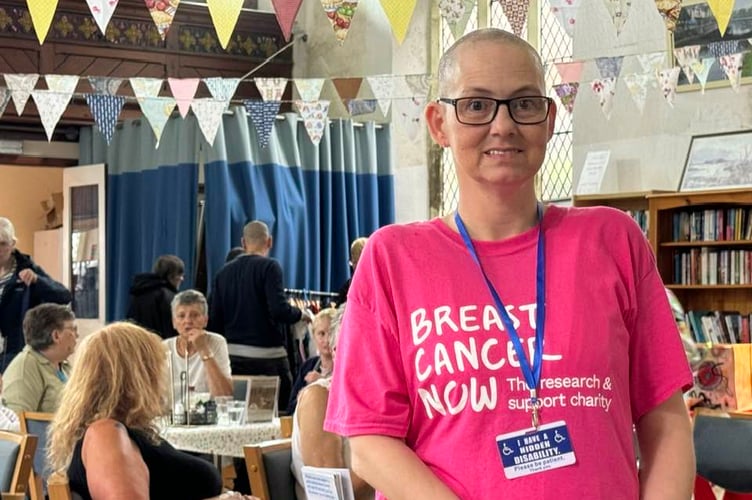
point(525, 110)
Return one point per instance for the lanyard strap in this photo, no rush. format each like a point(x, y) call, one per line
point(532, 373)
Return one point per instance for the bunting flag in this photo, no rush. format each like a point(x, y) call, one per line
point(271, 89)
point(286, 11)
point(340, 14)
point(382, 87)
point(637, 84)
point(410, 118)
point(685, 57)
point(609, 67)
point(183, 90)
point(209, 115)
point(723, 48)
point(569, 72)
point(721, 10)
point(263, 114)
point(652, 62)
point(565, 12)
point(51, 106)
point(101, 11)
point(42, 12)
point(419, 85)
point(399, 13)
point(701, 69)
point(456, 13)
point(157, 111)
point(222, 89)
point(314, 116)
point(162, 12)
point(567, 93)
point(619, 11)
point(732, 66)
point(20, 86)
point(145, 87)
point(64, 84)
point(105, 109)
point(4, 98)
point(357, 107)
point(347, 88)
point(667, 79)
point(105, 84)
point(669, 10)
point(516, 13)
point(309, 89)
point(224, 14)
point(605, 88)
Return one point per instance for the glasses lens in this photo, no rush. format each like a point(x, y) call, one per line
point(475, 110)
point(528, 109)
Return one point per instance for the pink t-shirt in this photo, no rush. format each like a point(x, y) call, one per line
point(424, 356)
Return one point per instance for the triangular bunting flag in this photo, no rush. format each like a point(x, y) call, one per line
point(222, 89)
point(516, 13)
point(271, 89)
point(702, 70)
point(604, 88)
point(347, 88)
point(609, 67)
point(101, 11)
point(4, 98)
point(340, 14)
point(105, 109)
point(410, 118)
point(224, 14)
point(146, 87)
point(565, 12)
point(732, 66)
point(637, 83)
point(567, 93)
point(382, 87)
point(670, 10)
point(419, 85)
point(209, 115)
point(20, 86)
point(686, 56)
point(309, 89)
point(162, 12)
point(619, 10)
point(723, 48)
point(667, 79)
point(157, 111)
point(42, 12)
point(51, 106)
point(263, 114)
point(399, 13)
point(64, 84)
point(286, 11)
point(569, 72)
point(314, 116)
point(183, 90)
point(357, 107)
point(721, 10)
point(105, 85)
point(456, 13)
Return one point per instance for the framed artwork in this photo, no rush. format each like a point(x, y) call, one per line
point(697, 26)
point(718, 161)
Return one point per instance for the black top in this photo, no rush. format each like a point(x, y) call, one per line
point(150, 301)
point(248, 303)
point(172, 473)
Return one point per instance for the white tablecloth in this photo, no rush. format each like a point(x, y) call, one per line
point(216, 440)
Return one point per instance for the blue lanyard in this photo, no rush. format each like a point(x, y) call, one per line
point(61, 375)
point(532, 373)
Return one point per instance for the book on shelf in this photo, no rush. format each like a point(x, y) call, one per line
point(719, 327)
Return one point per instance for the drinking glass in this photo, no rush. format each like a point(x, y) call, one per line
point(235, 411)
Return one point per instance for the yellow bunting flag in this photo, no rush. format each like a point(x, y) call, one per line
point(224, 14)
point(41, 12)
point(722, 10)
point(399, 13)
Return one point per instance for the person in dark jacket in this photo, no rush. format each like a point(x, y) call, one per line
point(23, 285)
point(356, 249)
point(152, 294)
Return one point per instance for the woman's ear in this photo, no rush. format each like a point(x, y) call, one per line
point(434, 115)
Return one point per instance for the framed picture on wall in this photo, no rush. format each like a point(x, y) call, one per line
point(718, 161)
point(697, 26)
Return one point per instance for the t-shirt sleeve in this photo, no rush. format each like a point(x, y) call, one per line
point(221, 355)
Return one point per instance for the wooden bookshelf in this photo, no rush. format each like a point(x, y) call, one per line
point(634, 203)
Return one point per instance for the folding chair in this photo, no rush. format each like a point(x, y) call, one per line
point(36, 423)
point(269, 472)
point(16, 455)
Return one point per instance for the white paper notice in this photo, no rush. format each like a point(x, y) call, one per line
point(327, 484)
point(592, 173)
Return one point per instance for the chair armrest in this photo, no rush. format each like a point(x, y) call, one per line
point(12, 496)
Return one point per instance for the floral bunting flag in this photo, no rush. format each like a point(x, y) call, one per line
point(101, 11)
point(20, 86)
point(222, 89)
point(516, 13)
point(64, 84)
point(271, 89)
point(667, 79)
point(146, 87)
point(732, 66)
point(286, 11)
point(721, 10)
point(652, 61)
point(51, 106)
point(410, 118)
point(637, 84)
point(419, 84)
point(605, 88)
point(340, 14)
point(309, 89)
point(105, 84)
point(570, 71)
point(619, 10)
point(105, 109)
point(314, 116)
point(4, 98)
point(162, 12)
point(723, 48)
point(669, 10)
point(357, 107)
point(183, 90)
point(686, 56)
point(565, 12)
point(224, 15)
point(209, 115)
point(567, 93)
point(382, 87)
point(42, 12)
point(609, 67)
point(263, 114)
point(157, 111)
point(701, 69)
point(399, 13)
point(456, 13)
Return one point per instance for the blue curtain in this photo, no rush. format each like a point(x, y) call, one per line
point(316, 199)
point(152, 200)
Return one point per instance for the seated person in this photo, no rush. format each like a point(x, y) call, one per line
point(311, 444)
point(36, 376)
point(200, 354)
point(317, 366)
point(104, 436)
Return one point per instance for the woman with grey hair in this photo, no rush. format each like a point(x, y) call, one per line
point(23, 285)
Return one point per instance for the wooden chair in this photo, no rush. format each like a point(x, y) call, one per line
point(58, 488)
point(269, 472)
point(722, 449)
point(285, 426)
point(16, 456)
point(36, 423)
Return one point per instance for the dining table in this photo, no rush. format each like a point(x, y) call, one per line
point(220, 440)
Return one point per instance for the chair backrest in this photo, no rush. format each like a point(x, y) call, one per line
point(36, 423)
point(269, 471)
point(58, 487)
point(16, 455)
point(722, 449)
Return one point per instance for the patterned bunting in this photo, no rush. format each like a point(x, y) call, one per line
point(722, 10)
point(652, 62)
point(567, 93)
point(224, 14)
point(357, 107)
point(309, 89)
point(702, 70)
point(516, 13)
point(314, 116)
point(570, 71)
point(286, 11)
point(619, 10)
point(732, 66)
point(263, 114)
point(42, 12)
point(637, 84)
point(340, 14)
point(157, 111)
point(410, 118)
point(162, 12)
point(101, 11)
point(382, 87)
point(419, 85)
point(609, 67)
point(565, 12)
point(456, 13)
point(4, 98)
point(667, 79)
point(105, 84)
point(271, 89)
point(105, 109)
point(20, 86)
point(64, 84)
point(686, 56)
point(605, 88)
point(399, 13)
point(222, 89)
point(347, 88)
point(146, 87)
point(209, 115)
point(670, 10)
point(183, 90)
point(723, 48)
point(51, 106)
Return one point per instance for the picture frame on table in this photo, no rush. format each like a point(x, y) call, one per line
point(718, 161)
point(697, 26)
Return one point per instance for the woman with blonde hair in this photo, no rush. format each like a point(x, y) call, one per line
point(104, 434)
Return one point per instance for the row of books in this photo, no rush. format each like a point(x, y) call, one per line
point(719, 327)
point(641, 218)
point(721, 224)
point(711, 266)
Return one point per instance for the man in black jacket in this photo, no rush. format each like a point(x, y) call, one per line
point(151, 295)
